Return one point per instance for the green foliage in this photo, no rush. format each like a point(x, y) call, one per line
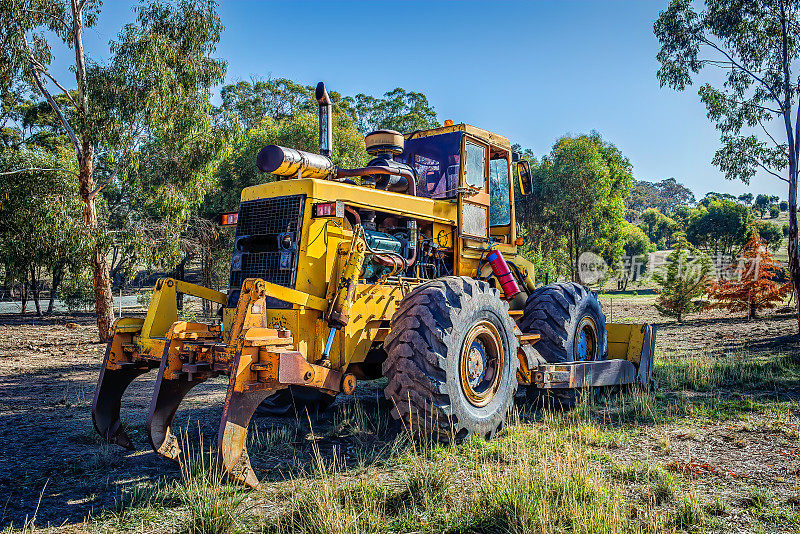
point(719, 227)
point(783, 205)
point(681, 282)
point(579, 199)
point(246, 104)
point(762, 204)
point(771, 234)
point(164, 64)
point(713, 195)
point(548, 266)
point(746, 198)
point(636, 242)
point(774, 211)
point(235, 168)
point(40, 211)
point(658, 227)
point(682, 215)
point(76, 291)
point(139, 122)
point(664, 196)
point(400, 110)
point(756, 45)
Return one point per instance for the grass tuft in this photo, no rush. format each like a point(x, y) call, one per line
point(212, 506)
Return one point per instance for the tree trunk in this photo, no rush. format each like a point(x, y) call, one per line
point(180, 274)
point(35, 291)
point(794, 251)
point(23, 292)
point(104, 303)
point(58, 273)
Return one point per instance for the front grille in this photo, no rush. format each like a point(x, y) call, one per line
point(264, 265)
point(260, 226)
point(270, 216)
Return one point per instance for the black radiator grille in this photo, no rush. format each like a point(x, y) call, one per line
point(261, 223)
point(270, 216)
point(264, 265)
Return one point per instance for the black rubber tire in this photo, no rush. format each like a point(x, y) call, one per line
point(423, 361)
point(296, 401)
point(554, 312)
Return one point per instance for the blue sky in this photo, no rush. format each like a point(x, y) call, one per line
point(531, 71)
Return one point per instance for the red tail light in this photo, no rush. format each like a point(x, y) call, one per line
point(228, 219)
point(329, 209)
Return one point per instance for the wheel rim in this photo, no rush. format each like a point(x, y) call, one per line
point(585, 346)
point(481, 363)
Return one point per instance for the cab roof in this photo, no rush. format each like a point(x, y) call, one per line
point(484, 135)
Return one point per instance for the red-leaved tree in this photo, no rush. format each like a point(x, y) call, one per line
point(752, 284)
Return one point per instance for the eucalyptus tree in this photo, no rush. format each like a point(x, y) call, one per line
point(755, 45)
point(579, 197)
point(398, 109)
point(155, 88)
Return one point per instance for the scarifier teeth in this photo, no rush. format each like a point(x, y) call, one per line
point(232, 439)
point(167, 397)
point(107, 401)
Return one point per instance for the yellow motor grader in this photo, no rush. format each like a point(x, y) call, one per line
point(407, 269)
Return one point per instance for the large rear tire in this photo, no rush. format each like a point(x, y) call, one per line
point(452, 359)
point(572, 326)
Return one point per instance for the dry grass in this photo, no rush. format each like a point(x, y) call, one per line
point(708, 371)
point(548, 471)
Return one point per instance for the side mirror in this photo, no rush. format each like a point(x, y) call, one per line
point(524, 171)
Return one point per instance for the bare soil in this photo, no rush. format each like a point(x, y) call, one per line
point(53, 465)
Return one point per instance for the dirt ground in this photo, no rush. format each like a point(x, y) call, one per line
point(53, 466)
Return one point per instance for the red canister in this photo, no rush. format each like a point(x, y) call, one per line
point(503, 274)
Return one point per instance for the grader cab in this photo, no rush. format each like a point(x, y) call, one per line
point(407, 269)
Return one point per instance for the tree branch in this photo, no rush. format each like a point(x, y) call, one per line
point(57, 110)
point(777, 145)
point(110, 179)
point(749, 73)
point(38, 169)
point(50, 15)
point(773, 173)
point(41, 69)
point(50, 100)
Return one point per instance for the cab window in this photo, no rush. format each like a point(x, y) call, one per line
point(474, 165)
point(499, 193)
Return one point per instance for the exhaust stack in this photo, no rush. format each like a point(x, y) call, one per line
point(325, 120)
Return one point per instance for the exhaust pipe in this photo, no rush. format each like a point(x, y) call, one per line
point(325, 120)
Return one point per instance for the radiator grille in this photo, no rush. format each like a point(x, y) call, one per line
point(264, 265)
point(270, 216)
point(259, 225)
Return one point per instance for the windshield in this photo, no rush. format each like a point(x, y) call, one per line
point(436, 159)
point(499, 193)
